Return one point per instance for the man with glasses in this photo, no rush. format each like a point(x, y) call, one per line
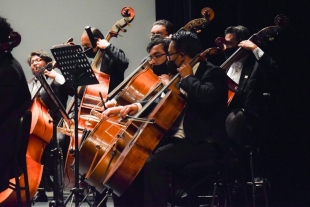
point(157, 49)
point(37, 60)
point(198, 133)
point(162, 28)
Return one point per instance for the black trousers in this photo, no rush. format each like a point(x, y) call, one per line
point(151, 186)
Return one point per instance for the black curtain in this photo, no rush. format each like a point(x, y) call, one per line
point(287, 146)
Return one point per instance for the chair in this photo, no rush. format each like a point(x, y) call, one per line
point(19, 166)
point(197, 181)
point(241, 147)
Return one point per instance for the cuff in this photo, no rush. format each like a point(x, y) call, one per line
point(60, 79)
point(258, 53)
point(139, 106)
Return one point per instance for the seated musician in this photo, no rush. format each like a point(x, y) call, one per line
point(157, 49)
point(15, 101)
point(199, 132)
point(114, 61)
point(253, 73)
point(37, 60)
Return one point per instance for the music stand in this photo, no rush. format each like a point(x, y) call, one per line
point(77, 71)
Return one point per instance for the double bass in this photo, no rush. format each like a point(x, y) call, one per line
point(267, 33)
point(95, 150)
point(92, 98)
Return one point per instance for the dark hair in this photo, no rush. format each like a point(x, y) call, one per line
point(157, 41)
point(241, 33)
point(186, 42)
point(5, 29)
point(96, 33)
point(166, 24)
point(41, 54)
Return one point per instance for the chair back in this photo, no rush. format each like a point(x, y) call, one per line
point(23, 138)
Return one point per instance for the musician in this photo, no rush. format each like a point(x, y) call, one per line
point(162, 28)
point(114, 61)
point(157, 49)
point(37, 60)
point(252, 73)
point(199, 132)
point(15, 100)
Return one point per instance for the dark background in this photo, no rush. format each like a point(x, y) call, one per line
point(287, 143)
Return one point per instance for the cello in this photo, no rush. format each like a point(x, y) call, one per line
point(100, 140)
point(41, 131)
point(92, 97)
point(267, 33)
point(122, 170)
point(139, 87)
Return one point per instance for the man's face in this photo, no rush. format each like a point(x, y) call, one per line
point(231, 40)
point(85, 42)
point(159, 30)
point(157, 55)
point(174, 55)
point(36, 62)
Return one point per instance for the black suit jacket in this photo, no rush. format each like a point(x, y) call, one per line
point(14, 101)
point(255, 79)
point(205, 113)
point(114, 64)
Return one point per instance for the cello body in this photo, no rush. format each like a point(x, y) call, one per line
point(93, 95)
point(106, 131)
point(41, 131)
point(130, 161)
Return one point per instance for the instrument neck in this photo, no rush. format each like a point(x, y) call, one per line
point(97, 61)
point(114, 93)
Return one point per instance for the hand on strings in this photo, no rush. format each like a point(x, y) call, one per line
point(185, 70)
point(52, 74)
point(248, 45)
point(165, 79)
point(114, 111)
point(128, 110)
point(69, 42)
point(109, 104)
point(102, 43)
point(67, 127)
point(95, 113)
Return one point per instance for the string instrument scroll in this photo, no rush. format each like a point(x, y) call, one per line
point(194, 25)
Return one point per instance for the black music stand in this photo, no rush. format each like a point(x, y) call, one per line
point(77, 71)
point(56, 151)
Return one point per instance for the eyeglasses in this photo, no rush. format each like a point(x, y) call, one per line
point(156, 57)
point(35, 60)
point(153, 35)
point(169, 54)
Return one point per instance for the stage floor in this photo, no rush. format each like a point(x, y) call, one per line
point(69, 204)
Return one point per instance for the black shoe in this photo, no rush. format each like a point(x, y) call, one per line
point(46, 182)
point(40, 197)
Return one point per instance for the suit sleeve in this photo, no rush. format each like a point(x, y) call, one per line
point(117, 57)
point(207, 90)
